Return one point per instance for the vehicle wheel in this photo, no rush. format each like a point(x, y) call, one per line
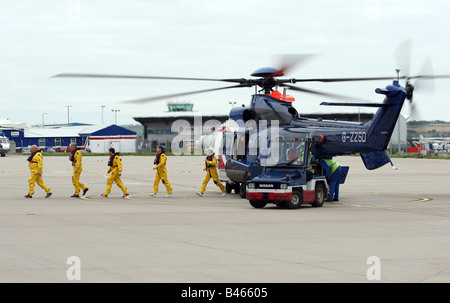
point(258, 204)
point(320, 195)
point(296, 201)
point(243, 191)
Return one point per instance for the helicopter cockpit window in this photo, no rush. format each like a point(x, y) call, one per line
point(284, 153)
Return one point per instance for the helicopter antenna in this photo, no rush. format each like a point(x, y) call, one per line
point(397, 70)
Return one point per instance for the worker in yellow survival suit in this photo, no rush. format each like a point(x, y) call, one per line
point(75, 158)
point(115, 168)
point(211, 173)
point(161, 172)
point(36, 167)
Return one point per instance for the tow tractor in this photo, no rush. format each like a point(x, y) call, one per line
point(290, 177)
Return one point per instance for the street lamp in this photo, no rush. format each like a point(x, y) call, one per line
point(43, 123)
point(103, 106)
point(115, 112)
point(68, 107)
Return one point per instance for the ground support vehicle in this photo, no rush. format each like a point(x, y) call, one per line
point(292, 180)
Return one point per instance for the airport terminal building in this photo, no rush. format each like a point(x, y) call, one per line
point(161, 129)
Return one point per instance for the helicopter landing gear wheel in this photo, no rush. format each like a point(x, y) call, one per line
point(243, 191)
point(236, 187)
point(228, 188)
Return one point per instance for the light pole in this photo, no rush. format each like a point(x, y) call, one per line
point(43, 123)
point(115, 112)
point(68, 109)
point(103, 106)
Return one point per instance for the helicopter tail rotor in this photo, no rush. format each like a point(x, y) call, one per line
point(422, 82)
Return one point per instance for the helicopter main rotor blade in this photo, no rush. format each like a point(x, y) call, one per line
point(289, 61)
point(319, 93)
point(425, 77)
point(429, 77)
point(150, 99)
point(75, 75)
point(343, 79)
point(243, 80)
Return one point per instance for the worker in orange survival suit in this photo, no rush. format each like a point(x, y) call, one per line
point(75, 158)
point(211, 173)
point(161, 172)
point(36, 167)
point(115, 168)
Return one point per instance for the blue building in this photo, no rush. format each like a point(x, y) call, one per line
point(92, 138)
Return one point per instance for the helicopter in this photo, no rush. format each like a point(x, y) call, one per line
point(243, 143)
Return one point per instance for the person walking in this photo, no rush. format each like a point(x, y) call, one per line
point(36, 168)
point(211, 173)
point(161, 172)
point(75, 158)
point(115, 169)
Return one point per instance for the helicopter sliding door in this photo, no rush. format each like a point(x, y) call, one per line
point(234, 147)
point(240, 146)
point(225, 153)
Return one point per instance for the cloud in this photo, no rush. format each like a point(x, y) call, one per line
point(207, 39)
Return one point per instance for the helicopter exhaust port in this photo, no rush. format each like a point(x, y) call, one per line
point(321, 139)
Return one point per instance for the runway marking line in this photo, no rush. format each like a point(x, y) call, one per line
point(420, 200)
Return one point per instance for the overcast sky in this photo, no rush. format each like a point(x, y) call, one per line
point(208, 39)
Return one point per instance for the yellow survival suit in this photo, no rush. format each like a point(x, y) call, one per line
point(36, 167)
point(211, 173)
point(161, 173)
point(75, 157)
point(115, 168)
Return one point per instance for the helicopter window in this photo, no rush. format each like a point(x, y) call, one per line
point(227, 144)
point(241, 141)
point(254, 143)
point(270, 155)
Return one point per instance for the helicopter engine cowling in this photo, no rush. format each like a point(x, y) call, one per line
point(242, 113)
point(268, 108)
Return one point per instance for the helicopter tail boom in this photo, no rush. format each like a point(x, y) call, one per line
point(382, 125)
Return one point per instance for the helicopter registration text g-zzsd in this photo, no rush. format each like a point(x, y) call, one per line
point(354, 137)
